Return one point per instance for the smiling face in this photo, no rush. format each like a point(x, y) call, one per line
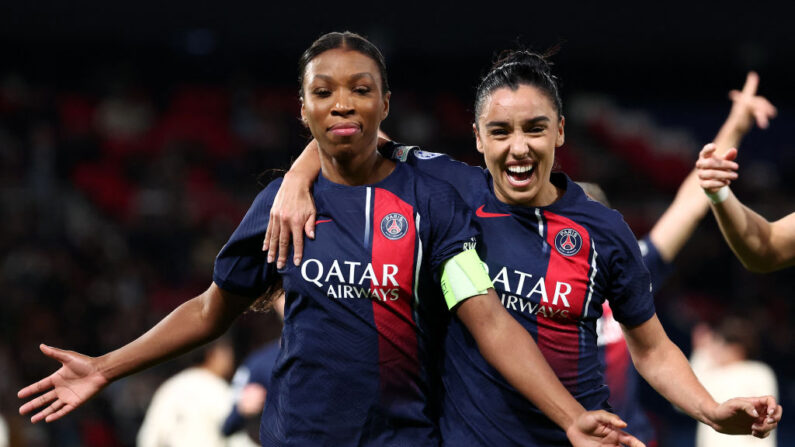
point(343, 104)
point(517, 133)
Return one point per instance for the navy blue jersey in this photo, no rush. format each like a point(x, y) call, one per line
point(256, 368)
point(620, 375)
point(361, 310)
point(553, 268)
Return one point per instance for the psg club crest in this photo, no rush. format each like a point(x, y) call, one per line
point(394, 226)
point(568, 242)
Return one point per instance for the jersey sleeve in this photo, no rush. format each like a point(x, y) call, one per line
point(462, 176)
point(659, 270)
point(630, 286)
point(451, 226)
point(241, 267)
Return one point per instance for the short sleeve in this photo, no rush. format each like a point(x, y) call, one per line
point(464, 178)
point(659, 270)
point(241, 267)
point(452, 229)
point(629, 286)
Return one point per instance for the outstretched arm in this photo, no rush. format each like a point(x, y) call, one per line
point(511, 350)
point(80, 377)
point(507, 346)
point(666, 369)
point(679, 221)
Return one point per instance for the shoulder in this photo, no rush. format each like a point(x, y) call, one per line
point(432, 192)
point(758, 369)
point(269, 191)
point(439, 163)
point(603, 222)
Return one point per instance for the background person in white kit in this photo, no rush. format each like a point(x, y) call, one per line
point(189, 408)
point(721, 359)
point(3, 432)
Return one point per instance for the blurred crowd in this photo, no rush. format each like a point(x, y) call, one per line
point(115, 198)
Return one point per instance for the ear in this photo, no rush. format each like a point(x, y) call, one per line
point(478, 143)
point(385, 112)
point(303, 114)
point(561, 138)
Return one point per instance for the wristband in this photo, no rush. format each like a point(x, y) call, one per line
point(718, 196)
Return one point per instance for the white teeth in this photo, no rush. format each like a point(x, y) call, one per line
point(520, 169)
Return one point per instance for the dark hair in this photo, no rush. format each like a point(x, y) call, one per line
point(739, 331)
point(514, 68)
point(346, 40)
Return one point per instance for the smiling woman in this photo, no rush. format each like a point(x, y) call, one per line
point(555, 257)
point(365, 313)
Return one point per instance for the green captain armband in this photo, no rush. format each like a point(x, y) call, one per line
point(463, 276)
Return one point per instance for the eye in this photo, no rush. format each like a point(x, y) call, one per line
point(362, 89)
point(497, 133)
point(321, 92)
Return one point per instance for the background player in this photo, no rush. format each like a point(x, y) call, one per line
point(186, 411)
point(761, 245)
point(660, 247)
point(518, 126)
point(722, 359)
point(350, 371)
point(251, 382)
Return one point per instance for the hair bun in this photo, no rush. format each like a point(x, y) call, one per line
point(523, 57)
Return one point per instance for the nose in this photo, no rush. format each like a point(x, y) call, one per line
point(519, 147)
point(343, 106)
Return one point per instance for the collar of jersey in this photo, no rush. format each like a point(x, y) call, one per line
point(570, 194)
point(324, 183)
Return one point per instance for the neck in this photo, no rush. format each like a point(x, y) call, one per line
point(355, 169)
point(548, 195)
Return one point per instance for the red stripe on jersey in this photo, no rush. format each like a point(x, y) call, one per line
point(393, 263)
point(558, 328)
point(617, 360)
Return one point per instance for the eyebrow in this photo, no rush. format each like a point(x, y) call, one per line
point(535, 120)
point(354, 77)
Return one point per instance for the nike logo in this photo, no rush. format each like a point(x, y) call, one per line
point(480, 213)
point(322, 221)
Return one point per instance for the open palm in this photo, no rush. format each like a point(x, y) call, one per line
point(75, 382)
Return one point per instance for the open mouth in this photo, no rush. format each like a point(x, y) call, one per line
point(519, 175)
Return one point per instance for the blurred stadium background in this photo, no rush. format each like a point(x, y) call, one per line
point(133, 137)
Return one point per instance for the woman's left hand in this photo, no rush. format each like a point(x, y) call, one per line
point(757, 416)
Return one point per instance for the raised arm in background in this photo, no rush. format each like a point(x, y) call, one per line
point(690, 205)
point(761, 245)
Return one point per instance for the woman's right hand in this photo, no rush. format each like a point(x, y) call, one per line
point(715, 172)
point(600, 428)
point(292, 214)
point(78, 379)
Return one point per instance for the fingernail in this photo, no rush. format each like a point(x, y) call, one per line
point(312, 234)
point(270, 258)
point(770, 420)
point(296, 260)
point(280, 264)
point(771, 410)
point(756, 413)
